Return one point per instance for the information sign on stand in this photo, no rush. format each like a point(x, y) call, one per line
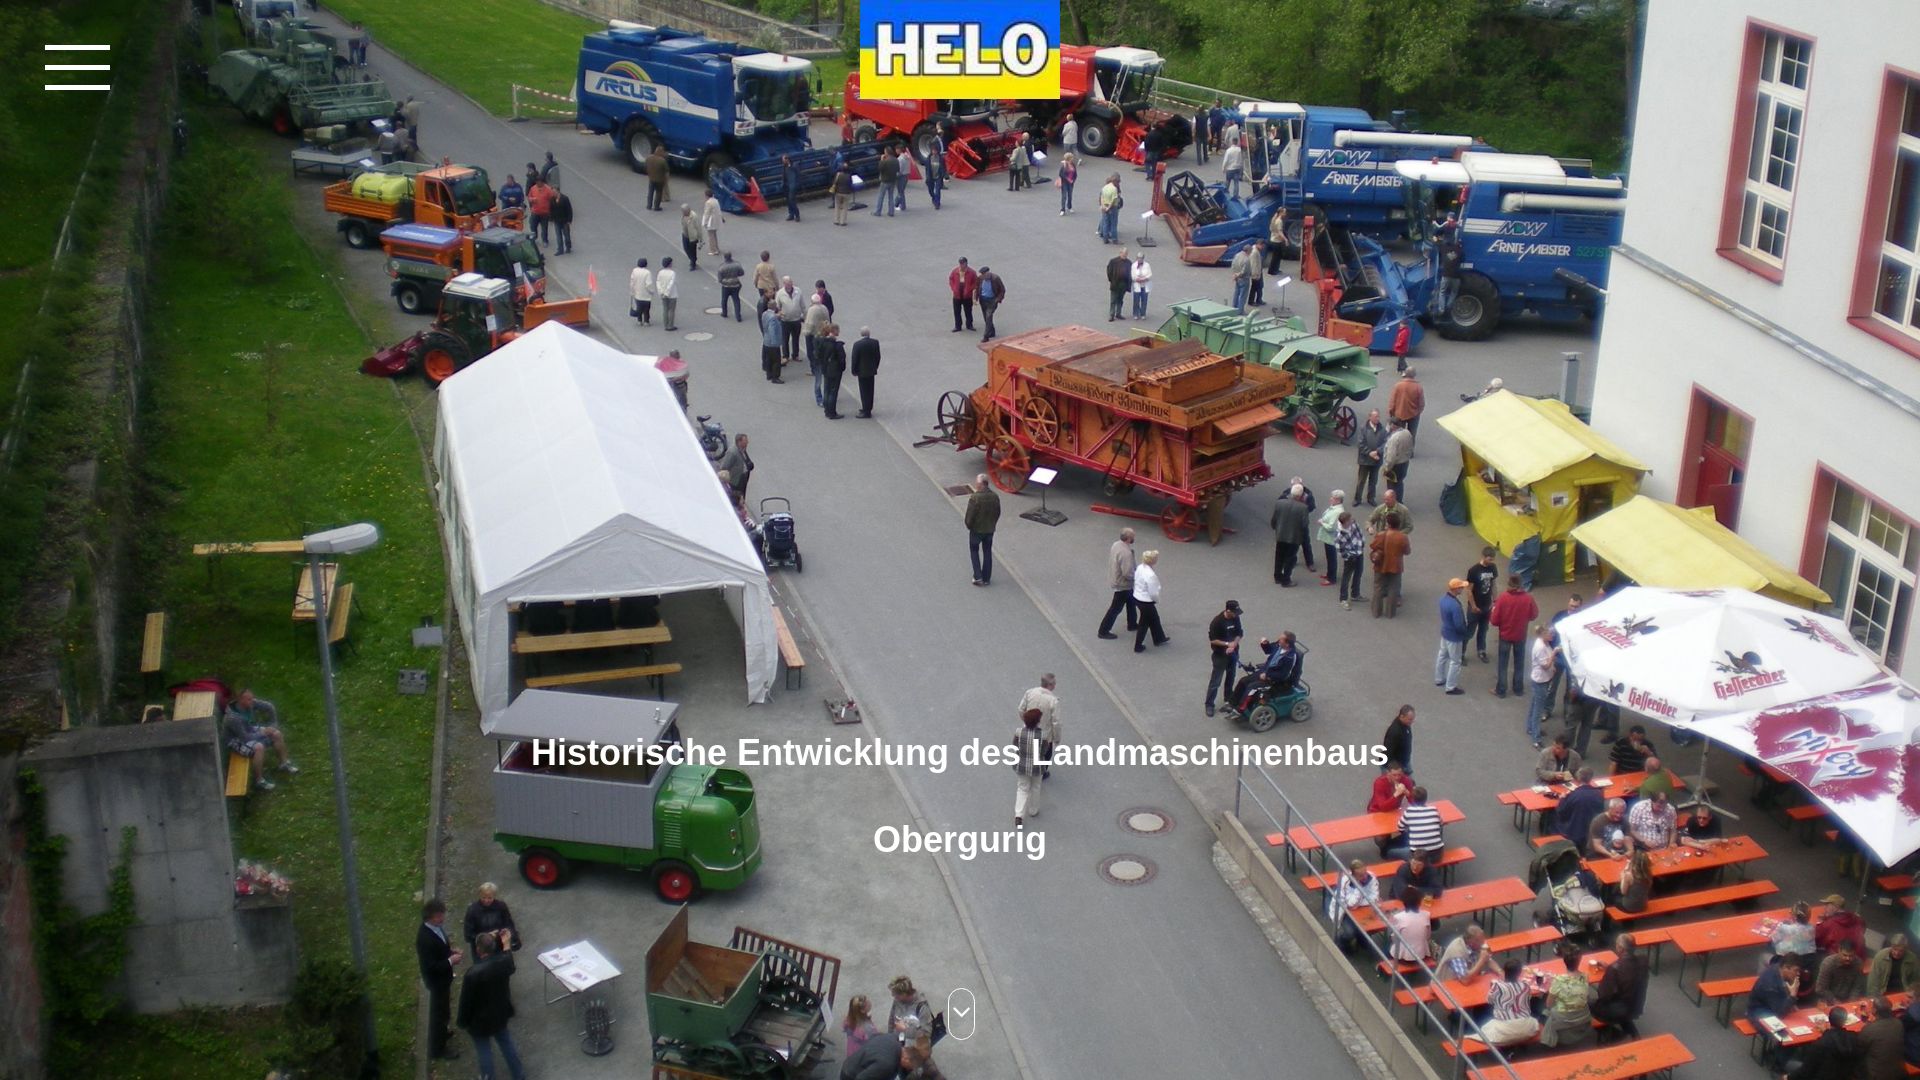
point(1043, 478)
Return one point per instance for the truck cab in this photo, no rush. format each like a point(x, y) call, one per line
point(1106, 90)
point(709, 104)
point(1337, 163)
point(689, 827)
point(1534, 233)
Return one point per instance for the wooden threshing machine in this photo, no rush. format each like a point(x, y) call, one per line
point(1172, 418)
point(1327, 373)
point(754, 1010)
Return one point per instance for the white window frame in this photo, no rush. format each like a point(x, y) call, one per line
point(1779, 113)
point(1907, 147)
point(1865, 552)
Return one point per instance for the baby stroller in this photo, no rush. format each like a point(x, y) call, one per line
point(1569, 894)
point(777, 544)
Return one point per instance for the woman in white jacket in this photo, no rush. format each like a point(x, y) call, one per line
point(1146, 597)
point(640, 287)
point(1142, 284)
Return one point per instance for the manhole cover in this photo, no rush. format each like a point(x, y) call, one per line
point(711, 310)
point(957, 490)
point(699, 335)
point(1146, 821)
point(1128, 870)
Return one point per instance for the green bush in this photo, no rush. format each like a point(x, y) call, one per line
point(325, 1021)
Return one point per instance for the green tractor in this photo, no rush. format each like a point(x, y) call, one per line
point(301, 82)
point(1327, 373)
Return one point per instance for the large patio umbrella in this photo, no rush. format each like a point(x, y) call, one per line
point(1683, 657)
point(1855, 750)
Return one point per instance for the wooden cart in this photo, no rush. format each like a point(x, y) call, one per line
point(753, 1010)
point(1171, 418)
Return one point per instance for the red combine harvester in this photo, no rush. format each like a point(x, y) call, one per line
point(974, 144)
point(1105, 90)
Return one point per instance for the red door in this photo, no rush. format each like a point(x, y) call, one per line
point(1716, 468)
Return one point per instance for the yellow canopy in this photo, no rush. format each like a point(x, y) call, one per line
point(1659, 544)
point(1529, 439)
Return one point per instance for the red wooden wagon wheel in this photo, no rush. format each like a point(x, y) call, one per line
point(956, 420)
point(1306, 430)
point(1041, 422)
point(1008, 464)
point(1345, 423)
point(1180, 523)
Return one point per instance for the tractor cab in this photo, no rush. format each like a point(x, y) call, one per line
point(455, 191)
point(770, 89)
point(1127, 77)
point(476, 317)
point(1273, 131)
point(511, 255)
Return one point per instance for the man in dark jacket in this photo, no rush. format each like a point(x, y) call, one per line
point(790, 179)
point(487, 914)
point(1371, 439)
point(486, 1004)
point(657, 178)
point(1883, 1043)
point(1483, 578)
point(560, 213)
point(866, 364)
point(991, 292)
point(1289, 522)
point(1119, 280)
point(982, 517)
point(881, 1057)
point(1577, 809)
point(833, 365)
point(1835, 1055)
point(437, 958)
point(1623, 988)
point(1398, 740)
point(1417, 872)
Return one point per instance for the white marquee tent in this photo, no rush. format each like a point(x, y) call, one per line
point(568, 472)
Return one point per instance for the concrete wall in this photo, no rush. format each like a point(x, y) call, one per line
point(20, 1033)
point(1358, 996)
point(191, 945)
point(1659, 340)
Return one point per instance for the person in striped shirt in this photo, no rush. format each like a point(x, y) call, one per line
point(1419, 827)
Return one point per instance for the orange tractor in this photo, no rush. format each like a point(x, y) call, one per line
point(1167, 417)
point(453, 196)
point(477, 316)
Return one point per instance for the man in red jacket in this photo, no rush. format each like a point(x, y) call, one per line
point(1512, 613)
point(1390, 790)
point(962, 282)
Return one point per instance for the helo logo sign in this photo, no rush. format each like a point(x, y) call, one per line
point(921, 49)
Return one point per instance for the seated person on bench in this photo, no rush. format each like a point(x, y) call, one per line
point(251, 724)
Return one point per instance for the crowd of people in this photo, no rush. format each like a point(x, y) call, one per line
point(486, 993)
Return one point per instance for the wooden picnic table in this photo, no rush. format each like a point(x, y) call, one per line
point(1498, 895)
point(657, 634)
point(303, 591)
point(1470, 994)
point(1703, 939)
point(1642, 1057)
point(1349, 830)
point(1528, 801)
point(1730, 851)
point(193, 705)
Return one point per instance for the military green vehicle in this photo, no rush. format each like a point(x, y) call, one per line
point(300, 82)
point(1327, 373)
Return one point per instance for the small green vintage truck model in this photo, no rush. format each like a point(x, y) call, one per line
point(690, 827)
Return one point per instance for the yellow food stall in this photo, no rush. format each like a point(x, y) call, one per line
point(1671, 547)
point(1531, 468)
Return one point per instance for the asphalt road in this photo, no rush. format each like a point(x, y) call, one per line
point(1092, 979)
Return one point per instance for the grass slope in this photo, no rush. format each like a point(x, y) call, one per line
point(262, 428)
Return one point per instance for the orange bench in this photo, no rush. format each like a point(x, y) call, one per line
point(1530, 940)
point(1806, 815)
point(1622, 1061)
point(1700, 898)
point(1449, 859)
point(1724, 991)
point(1895, 882)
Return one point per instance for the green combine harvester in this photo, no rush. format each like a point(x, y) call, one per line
point(298, 85)
point(1327, 373)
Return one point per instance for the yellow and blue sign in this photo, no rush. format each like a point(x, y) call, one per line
point(942, 49)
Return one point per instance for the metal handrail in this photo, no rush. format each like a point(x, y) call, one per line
point(1383, 956)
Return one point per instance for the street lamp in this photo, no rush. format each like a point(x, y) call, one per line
point(346, 540)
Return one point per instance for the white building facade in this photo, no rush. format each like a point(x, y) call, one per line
point(1761, 345)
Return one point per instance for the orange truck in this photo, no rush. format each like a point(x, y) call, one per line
point(447, 195)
